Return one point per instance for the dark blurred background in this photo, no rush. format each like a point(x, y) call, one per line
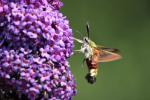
point(123, 24)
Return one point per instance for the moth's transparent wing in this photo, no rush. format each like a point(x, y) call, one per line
point(114, 50)
point(107, 56)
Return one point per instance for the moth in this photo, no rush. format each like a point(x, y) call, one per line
point(94, 55)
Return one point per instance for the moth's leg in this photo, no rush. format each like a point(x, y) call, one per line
point(83, 62)
point(79, 51)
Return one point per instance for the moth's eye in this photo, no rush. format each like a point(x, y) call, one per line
point(86, 39)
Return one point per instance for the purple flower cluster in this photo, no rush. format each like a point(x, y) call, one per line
point(35, 42)
point(55, 4)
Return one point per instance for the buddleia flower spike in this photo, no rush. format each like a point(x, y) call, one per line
point(35, 44)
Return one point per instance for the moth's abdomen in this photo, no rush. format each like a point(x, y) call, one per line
point(92, 68)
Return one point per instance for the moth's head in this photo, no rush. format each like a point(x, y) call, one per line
point(89, 42)
point(86, 40)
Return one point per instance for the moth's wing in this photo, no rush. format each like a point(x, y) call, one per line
point(78, 40)
point(107, 56)
point(114, 50)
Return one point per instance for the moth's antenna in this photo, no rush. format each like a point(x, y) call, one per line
point(88, 29)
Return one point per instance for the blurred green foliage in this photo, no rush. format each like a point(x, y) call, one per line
point(123, 24)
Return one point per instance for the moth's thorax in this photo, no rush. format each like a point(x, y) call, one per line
point(92, 44)
point(86, 49)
